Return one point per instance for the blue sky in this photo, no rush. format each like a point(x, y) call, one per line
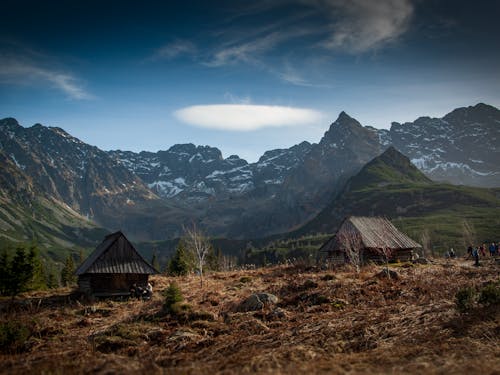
point(243, 76)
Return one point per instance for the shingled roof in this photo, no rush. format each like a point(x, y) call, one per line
point(115, 255)
point(375, 233)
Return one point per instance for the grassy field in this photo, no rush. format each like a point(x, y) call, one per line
point(324, 322)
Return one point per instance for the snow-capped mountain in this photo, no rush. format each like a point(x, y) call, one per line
point(152, 195)
point(463, 147)
point(63, 167)
point(189, 172)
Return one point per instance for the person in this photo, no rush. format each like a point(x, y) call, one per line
point(492, 249)
point(148, 292)
point(469, 252)
point(452, 253)
point(482, 250)
point(133, 290)
point(475, 255)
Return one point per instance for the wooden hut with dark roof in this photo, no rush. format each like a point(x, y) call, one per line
point(113, 267)
point(371, 237)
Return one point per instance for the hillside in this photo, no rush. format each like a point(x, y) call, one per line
point(29, 215)
point(390, 185)
point(323, 322)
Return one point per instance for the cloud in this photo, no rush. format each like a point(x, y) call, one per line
point(245, 117)
point(246, 52)
point(362, 25)
point(15, 70)
point(175, 49)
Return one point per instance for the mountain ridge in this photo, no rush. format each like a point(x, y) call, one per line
point(154, 194)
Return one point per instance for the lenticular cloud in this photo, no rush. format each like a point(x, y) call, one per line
point(245, 117)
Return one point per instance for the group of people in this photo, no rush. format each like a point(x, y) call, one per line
point(141, 292)
point(480, 251)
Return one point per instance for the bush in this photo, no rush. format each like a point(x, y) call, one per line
point(13, 336)
point(173, 298)
point(309, 284)
point(328, 277)
point(490, 295)
point(245, 279)
point(465, 299)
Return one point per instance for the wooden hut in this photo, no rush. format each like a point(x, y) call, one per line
point(113, 267)
point(373, 238)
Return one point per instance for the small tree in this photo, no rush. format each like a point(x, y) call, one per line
point(21, 273)
point(68, 272)
point(173, 296)
point(180, 264)
point(198, 245)
point(155, 262)
point(4, 272)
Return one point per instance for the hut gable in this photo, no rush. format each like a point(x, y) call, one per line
point(115, 255)
point(378, 233)
point(370, 234)
point(113, 267)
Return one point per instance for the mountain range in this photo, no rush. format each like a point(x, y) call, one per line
point(152, 195)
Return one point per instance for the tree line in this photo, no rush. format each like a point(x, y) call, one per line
point(26, 271)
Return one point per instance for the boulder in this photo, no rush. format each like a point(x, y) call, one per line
point(257, 302)
point(421, 261)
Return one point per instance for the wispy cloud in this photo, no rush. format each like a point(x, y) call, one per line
point(358, 26)
point(234, 99)
point(248, 52)
point(21, 71)
point(245, 117)
point(175, 49)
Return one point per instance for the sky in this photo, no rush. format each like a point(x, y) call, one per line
point(243, 76)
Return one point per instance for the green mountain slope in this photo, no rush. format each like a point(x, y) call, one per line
point(27, 215)
point(434, 213)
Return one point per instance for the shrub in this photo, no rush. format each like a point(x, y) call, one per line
point(13, 336)
point(328, 277)
point(490, 295)
point(308, 284)
point(245, 279)
point(173, 297)
point(465, 299)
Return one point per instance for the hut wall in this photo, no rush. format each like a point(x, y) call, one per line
point(404, 255)
point(84, 284)
point(118, 283)
point(336, 258)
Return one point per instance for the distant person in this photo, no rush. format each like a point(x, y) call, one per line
point(482, 250)
point(452, 253)
point(133, 290)
point(475, 255)
point(148, 291)
point(492, 249)
point(469, 252)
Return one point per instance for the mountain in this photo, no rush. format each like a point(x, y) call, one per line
point(152, 195)
point(27, 214)
point(390, 185)
point(461, 148)
point(189, 172)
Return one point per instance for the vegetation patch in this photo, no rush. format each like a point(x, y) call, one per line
point(14, 336)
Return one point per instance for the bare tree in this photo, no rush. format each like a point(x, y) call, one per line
point(199, 245)
point(352, 244)
point(425, 238)
point(468, 234)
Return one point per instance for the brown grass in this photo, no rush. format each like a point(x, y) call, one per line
point(326, 322)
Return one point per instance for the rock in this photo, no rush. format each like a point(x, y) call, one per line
point(257, 302)
point(390, 274)
point(421, 261)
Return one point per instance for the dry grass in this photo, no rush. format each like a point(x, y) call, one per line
point(327, 322)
